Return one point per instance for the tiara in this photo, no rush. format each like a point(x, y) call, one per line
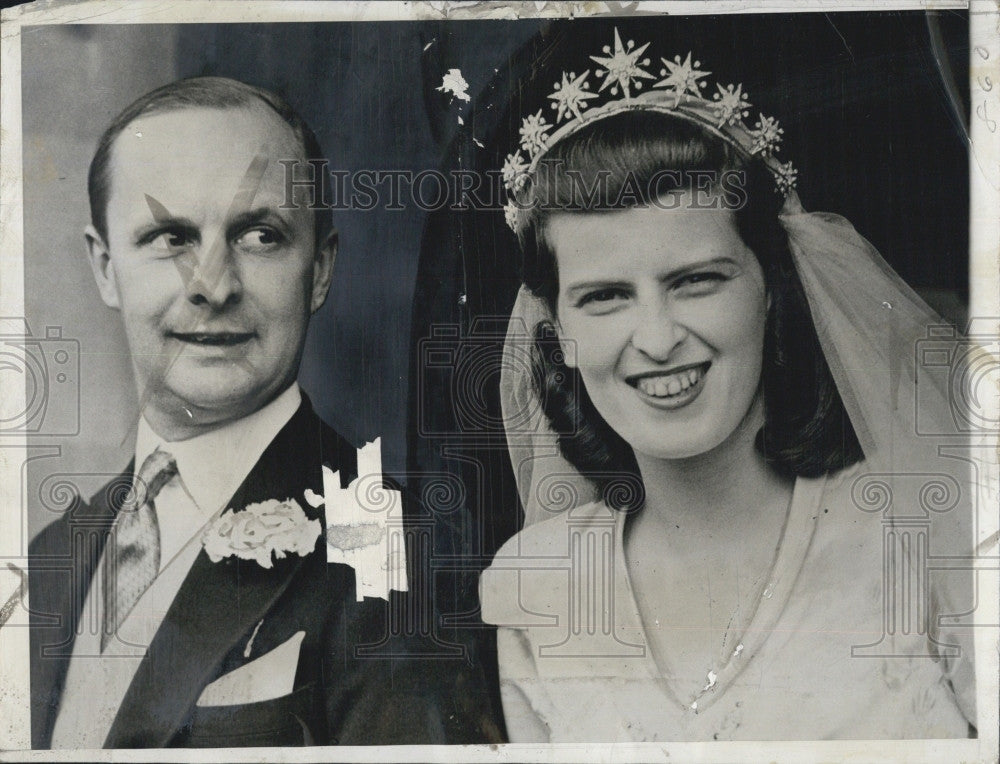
point(678, 91)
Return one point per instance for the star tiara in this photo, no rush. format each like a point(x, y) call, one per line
point(678, 92)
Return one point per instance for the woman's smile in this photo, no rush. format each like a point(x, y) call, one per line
point(672, 388)
point(662, 312)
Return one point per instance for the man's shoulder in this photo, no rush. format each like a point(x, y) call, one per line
point(305, 443)
point(53, 539)
point(78, 514)
point(334, 438)
point(306, 418)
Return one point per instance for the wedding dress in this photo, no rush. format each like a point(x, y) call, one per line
point(816, 661)
point(865, 630)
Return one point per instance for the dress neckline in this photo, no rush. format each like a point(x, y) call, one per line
point(796, 536)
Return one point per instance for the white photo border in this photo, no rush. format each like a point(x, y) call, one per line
point(984, 301)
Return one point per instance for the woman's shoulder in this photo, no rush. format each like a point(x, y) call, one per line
point(550, 536)
point(843, 479)
point(864, 491)
point(529, 572)
point(837, 491)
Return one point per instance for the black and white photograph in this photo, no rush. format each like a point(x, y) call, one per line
point(497, 381)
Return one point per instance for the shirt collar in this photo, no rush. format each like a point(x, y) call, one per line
point(213, 465)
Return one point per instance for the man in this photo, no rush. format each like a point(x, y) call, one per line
point(191, 603)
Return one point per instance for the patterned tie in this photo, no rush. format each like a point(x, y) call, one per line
point(134, 547)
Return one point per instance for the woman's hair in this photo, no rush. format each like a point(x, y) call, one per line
point(633, 159)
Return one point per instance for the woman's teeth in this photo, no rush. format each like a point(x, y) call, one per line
point(669, 384)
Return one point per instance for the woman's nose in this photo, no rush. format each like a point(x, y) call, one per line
point(215, 281)
point(658, 330)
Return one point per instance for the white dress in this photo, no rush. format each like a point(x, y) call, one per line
point(838, 647)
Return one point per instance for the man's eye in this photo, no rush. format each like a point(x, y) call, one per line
point(259, 239)
point(171, 241)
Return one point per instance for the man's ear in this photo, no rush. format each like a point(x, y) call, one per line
point(326, 253)
point(100, 264)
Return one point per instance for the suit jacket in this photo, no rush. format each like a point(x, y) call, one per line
point(356, 681)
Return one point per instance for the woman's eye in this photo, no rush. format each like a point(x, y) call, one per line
point(602, 300)
point(259, 239)
point(603, 296)
point(699, 283)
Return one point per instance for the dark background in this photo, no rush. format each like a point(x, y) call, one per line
point(360, 86)
point(873, 107)
point(874, 111)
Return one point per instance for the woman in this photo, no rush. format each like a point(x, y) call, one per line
point(728, 377)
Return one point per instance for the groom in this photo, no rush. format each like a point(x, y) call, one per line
point(148, 631)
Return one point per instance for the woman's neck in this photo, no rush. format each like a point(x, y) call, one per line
point(700, 493)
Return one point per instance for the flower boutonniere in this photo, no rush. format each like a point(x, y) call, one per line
point(271, 527)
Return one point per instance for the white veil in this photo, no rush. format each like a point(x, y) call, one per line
point(900, 369)
point(903, 375)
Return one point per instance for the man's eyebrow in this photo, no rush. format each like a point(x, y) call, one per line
point(146, 227)
point(161, 218)
point(256, 215)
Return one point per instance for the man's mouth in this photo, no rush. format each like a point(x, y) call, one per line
point(674, 384)
point(213, 339)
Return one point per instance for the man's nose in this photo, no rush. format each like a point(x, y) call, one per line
point(215, 282)
point(658, 329)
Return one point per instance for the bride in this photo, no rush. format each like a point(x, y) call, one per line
point(733, 380)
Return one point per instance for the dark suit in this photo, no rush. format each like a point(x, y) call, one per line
point(343, 692)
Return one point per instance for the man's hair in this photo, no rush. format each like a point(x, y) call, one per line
point(193, 93)
point(806, 431)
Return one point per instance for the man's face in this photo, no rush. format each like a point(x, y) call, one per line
point(214, 280)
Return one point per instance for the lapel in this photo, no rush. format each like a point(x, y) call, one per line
point(219, 603)
point(61, 566)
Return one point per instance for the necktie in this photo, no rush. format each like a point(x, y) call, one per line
point(133, 558)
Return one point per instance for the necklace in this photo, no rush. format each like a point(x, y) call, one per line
point(767, 604)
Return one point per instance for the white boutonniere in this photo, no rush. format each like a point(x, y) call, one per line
point(261, 532)
point(364, 525)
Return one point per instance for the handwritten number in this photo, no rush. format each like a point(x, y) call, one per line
point(991, 124)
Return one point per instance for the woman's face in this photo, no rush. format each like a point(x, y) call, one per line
point(662, 311)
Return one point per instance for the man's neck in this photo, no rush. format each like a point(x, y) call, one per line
point(213, 463)
point(179, 421)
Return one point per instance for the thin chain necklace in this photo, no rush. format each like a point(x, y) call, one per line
point(729, 662)
point(727, 659)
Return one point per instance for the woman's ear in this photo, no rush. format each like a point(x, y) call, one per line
point(566, 345)
point(104, 271)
